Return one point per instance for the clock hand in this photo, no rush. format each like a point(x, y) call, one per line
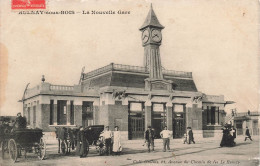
point(145, 36)
point(155, 35)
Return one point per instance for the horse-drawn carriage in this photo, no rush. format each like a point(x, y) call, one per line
point(16, 141)
point(67, 137)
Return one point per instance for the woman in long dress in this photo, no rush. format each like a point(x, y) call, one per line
point(117, 148)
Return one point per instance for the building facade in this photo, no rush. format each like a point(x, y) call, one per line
point(248, 119)
point(131, 97)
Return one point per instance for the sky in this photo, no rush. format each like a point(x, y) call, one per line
point(216, 40)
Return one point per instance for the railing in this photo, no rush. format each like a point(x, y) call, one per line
point(246, 114)
point(61, 88)
point(129, 68)
point(178, 73)
point(98, 71)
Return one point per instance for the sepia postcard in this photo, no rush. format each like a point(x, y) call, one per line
point(129, 82)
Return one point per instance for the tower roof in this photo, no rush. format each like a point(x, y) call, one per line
point(151, 20)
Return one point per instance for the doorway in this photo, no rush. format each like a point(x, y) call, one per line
point(158, 118)
point(62, 112)
point(136, 120)
point(179, 120)
point(87, 114)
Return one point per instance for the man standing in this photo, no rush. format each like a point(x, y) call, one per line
point(149, 138)
point(108, 140)
point(166, 134)
point(82, 140)
point(248, 134)
point(191, 138)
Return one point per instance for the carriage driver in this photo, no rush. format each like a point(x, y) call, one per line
point(20, 122)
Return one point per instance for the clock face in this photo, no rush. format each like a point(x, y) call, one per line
point(145, 36)
point(156, 35)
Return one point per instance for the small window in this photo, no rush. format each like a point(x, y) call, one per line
point(158, 107)
point(136, 107)
point(178, 108)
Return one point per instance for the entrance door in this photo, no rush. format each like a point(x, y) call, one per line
point(255, 127)
point(62, 112)
point(239, 126)
point(158, 118)
point(137, 127)
point(136, 120)
point(87, 114)
point(178, 122)
point(178, 127)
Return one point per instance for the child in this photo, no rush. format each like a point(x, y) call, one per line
point(185, 139)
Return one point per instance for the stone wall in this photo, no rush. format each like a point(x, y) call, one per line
point(194, 117)
point(78, 115)
point(118, 115)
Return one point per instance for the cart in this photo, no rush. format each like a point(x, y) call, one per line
point(23, 140)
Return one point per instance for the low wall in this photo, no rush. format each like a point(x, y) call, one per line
point(216, 134)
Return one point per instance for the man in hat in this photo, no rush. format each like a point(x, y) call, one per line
point(248, 134)
point(107, 135)
point(20, 122)
point(149, 138)
point(190, 133)
point(82, 143)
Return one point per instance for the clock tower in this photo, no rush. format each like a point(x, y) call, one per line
point(151, 39)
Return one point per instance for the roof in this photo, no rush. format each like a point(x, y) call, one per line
point(151, 20)
point(136, 80)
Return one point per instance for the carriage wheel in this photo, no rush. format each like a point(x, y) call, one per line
point(13, 151)
point(4, 149)
point(41, 149)
point(64, 148)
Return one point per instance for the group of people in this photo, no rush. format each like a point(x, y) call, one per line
point(165, 134)
point(111, 139)
point(149, 136)
point(188, 136)
point(229, 135)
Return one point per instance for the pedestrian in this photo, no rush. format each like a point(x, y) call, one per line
point(224, 140)
point(234, 132)
point(82, 143)
point(191, 138)
point(248, 134)
point(149, 138)
point(117, 148)
point(166, 134)
point(107, 135)
point(185, 138)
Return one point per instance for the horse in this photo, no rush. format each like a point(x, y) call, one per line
point(66, 139)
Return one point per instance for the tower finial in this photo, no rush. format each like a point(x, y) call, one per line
point(151, 20)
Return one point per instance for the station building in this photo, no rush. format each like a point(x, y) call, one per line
point(241, 120)
point(131, 97)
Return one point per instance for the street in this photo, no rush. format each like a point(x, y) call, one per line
point(204, 152)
